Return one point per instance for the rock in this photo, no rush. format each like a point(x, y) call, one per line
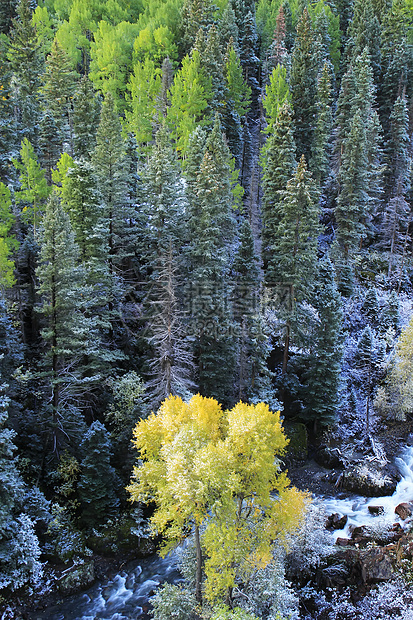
point(376, 510)
point(78, 577)
point(336, 522)
point(329, 457)
point(370, 480)
point(376, 566)
point(344, 542)
point(404, 510)
point(361, 535)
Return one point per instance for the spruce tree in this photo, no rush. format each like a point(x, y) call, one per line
point(110, 172)
point(196, 14)
point(26, 63)
point(59, 285)
point(86, 111)
point(278, 166)
point(50, 144)
point(211, 234)
point(319, 163)
point(59, 88)
point(97, 482)
point(8, 140)
point(322, 377)
point(305, 66)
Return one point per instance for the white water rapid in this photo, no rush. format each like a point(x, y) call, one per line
point(357, 508)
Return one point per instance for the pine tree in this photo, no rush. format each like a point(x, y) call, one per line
point(81, 201)
point(8, 127)
point(211, 234)
point(97, 483)
point(171, 365)
point(26, 63)
point(50, 144)
point(294, 246)
point(321, 380)
point(320, 153)
point(59, 88)
point(59, 284)
point(212, 64)
point(109, 168)
point(7, 14)
point(369, 356)
point(253, 346)
point(278, 166)
point(305, 66)
point(19, 545)
point(196, 14)
point(397, 214)
point(33, 185)
point(86, 111)
point(364, 32)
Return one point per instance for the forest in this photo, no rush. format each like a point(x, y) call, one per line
point(205, 210)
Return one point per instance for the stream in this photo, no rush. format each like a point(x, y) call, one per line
point(126, 596)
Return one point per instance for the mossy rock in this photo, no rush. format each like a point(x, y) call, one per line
point(296, 432)
point(79, 577)
point(120, 538)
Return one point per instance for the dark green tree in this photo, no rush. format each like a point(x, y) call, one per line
point(278, 167)
point(196, 14)
point(50, 144)
point(86, 112)
point(27, 65)
point(97, 482)
point(8, 128)
point(305, 65)
point(319, 163)
point(321, 381)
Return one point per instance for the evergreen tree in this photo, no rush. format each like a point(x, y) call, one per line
point(59, 88)
point(81, 201)
point(7, 118)
point(19, 545)
point(171, 366)
point(212, 64)
point(86, 110)
point(320, 153)
point(277, 93)
point(110, 171)
point(305, 65)
point(278, 167)
point(364, 32)
point(369, 356)
point(321, 380)
point(50, 144)
point(253, 346)
point(352, 203)
point(7, 14)
point(211, 234)
point(33, 185)
point(26, 63)
point(196, 14)
point(397, 214)
point(59, 285)
point(97, 482)
point(294, 246)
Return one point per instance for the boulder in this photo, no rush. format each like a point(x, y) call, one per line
point(370, 480)
point(376, 510)
point(77, 577)
point(361, 535)
point(329, 457)
point(376, 566)
point(404, 510)
point(336, 521)
point(344, 542)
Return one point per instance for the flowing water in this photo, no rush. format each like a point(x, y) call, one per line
point(357, 508)
point(126, 596)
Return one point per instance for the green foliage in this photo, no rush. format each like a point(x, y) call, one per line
point(190, 93)
point(145, 88)
point(174, 603)
point(238, 91)
point(111, 53)
point(155, 45)
point(324, 18)
point(33, 186)
point(277, 93)
point(86, 112)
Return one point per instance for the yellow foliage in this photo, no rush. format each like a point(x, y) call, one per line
point(202, 464)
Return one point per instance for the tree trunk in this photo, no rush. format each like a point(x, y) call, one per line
point(198, 576)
